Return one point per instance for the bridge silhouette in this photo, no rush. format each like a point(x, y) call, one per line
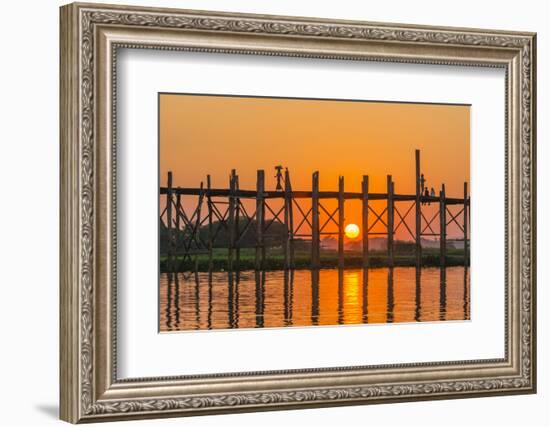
point(225, 206)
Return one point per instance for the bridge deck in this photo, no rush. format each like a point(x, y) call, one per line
point(253, 194)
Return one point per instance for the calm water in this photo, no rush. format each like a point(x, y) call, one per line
point(220, 300)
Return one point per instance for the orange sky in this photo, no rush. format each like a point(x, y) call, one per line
point(202, 135)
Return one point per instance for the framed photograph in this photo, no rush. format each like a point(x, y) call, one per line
point(265, 212)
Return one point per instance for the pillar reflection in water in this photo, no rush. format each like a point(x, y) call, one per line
point(466, 288)
point(442, 293)
point(418, 293)
point(172, 305)
point(233, 299)
point(365, 308)
point(315, 296)
point(340, 296)
point(177, 306)
point(260, 294)
point(389, 312)
point(209, 301)
point(259, 299)
point(169, 301)
point(197, 300)
point(288, 296)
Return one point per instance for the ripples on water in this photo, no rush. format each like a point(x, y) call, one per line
point(220, 300)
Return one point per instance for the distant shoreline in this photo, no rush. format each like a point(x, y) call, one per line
point(430, 258)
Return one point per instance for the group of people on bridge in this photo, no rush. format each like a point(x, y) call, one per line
point(424, 190)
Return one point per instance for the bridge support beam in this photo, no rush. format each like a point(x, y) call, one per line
point(231, 220)
point(260, 219)
point(341, 222)
point(365, 220)
point(315, 238)
point(442, 228)
point(465, 226)
point(418, 212)
point(289, 223)
point(169, 197)
point(390, 221)
point(210, 224)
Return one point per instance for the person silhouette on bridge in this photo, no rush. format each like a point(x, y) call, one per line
point(426, 194)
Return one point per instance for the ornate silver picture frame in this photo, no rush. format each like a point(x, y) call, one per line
point(91, 36)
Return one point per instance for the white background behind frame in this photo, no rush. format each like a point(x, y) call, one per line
point(31, 388)
point(143, 352)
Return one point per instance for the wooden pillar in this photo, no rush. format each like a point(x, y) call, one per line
point(289, 223)
point(341, 222)
point(210, 225)
point(177, 232)
point(442, 228)
point(231, 221)
point(365, 218)
point(315, 238)
point(178, 207)
point(390, 221)
point(286, 243)
point(418, 212)
point(170, 248)
point(236, 224)
point(198, 222)
point(465, 225)
point(260, 219)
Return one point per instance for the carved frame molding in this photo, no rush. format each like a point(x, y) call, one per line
point(90, 390)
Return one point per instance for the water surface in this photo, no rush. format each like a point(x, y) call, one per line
point(249, 299)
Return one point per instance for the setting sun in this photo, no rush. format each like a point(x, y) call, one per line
point(352, 231)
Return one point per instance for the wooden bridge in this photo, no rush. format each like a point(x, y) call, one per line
point(225, 205)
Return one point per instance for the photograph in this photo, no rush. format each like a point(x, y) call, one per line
point(282, 212)
point(265, 209)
